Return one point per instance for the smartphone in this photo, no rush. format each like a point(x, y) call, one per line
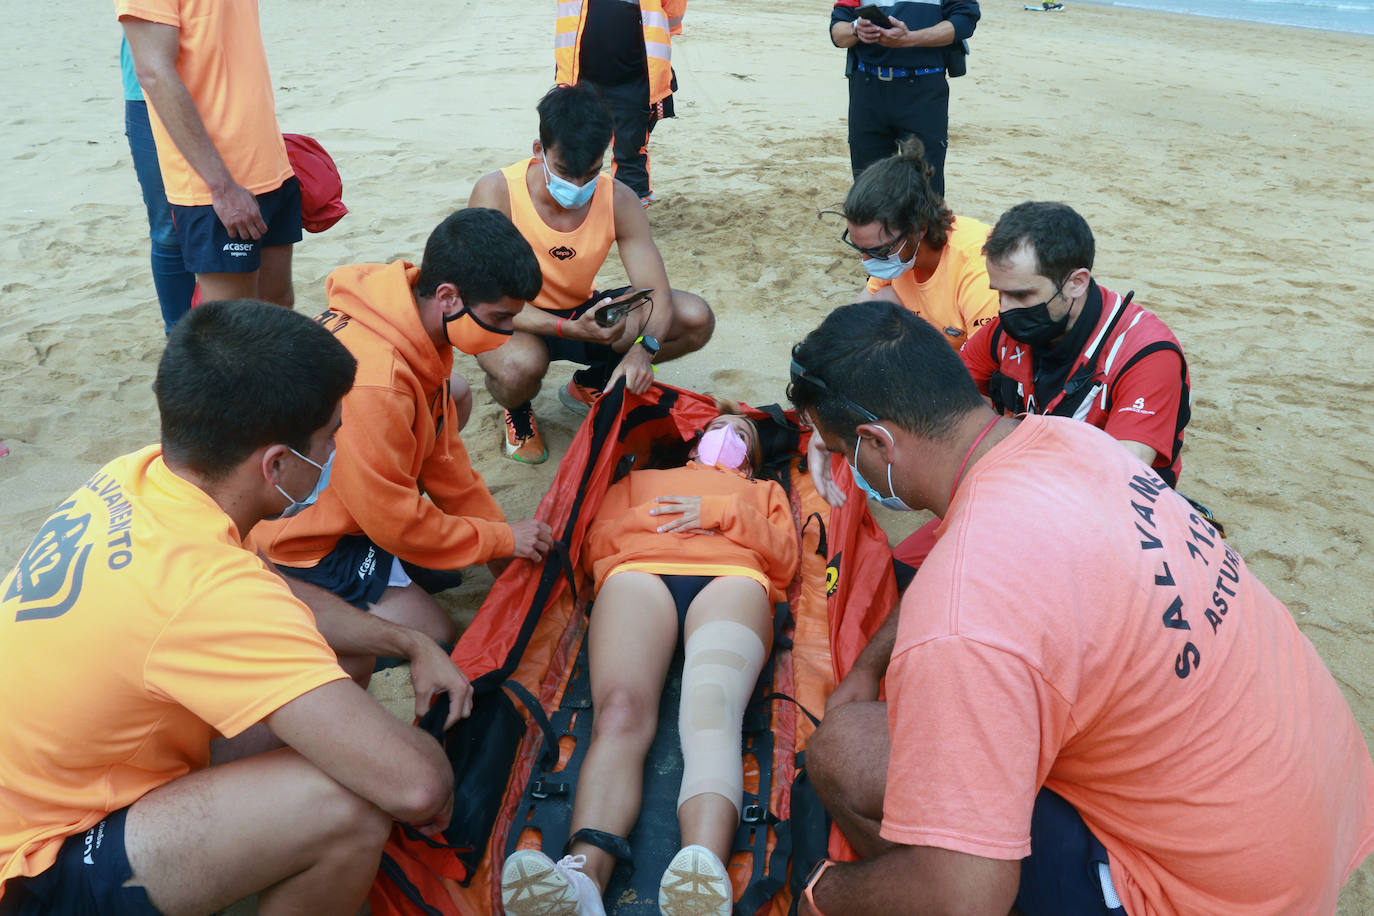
point(874, 15)
point(613, 313)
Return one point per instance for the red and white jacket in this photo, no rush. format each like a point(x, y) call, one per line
point(1131, 380)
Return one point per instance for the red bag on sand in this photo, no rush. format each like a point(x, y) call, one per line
point(321, 187)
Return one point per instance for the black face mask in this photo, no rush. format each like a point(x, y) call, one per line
point(1033, 325)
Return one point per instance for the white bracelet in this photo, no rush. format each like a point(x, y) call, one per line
point(854, 28)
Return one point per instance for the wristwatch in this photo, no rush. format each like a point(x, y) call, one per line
point(812, 880)
point(650, 343)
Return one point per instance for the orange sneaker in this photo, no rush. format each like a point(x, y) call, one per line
point(577, 397)
point(523, 442)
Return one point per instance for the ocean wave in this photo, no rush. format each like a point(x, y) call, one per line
point(1327, 15)
point(1317, 4)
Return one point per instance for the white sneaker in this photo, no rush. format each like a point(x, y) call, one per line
point(532, 884)
point(695, 884)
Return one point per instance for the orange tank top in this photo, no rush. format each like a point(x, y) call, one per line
point(569, 260)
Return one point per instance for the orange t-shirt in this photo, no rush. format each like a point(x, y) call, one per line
point(1077, 626)
point(569, 260)
point(759, 536)
point(224, 66)
point(956, 298)
point(134, 630)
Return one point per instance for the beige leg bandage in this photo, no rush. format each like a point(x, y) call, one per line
point(722, 664)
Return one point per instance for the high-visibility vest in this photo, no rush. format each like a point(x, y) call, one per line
point(567, 42)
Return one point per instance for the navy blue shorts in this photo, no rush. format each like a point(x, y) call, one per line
point(1063, 875)
point(207, 248)
point(583, 352)
point(358, 571)
point(86, 880)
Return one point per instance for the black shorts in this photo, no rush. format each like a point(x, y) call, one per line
point(583, 352)
point(1063, 875)
point(206, 247)
point(86, 880)
point(684, 590)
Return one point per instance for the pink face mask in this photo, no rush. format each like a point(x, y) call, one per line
point(723, 446)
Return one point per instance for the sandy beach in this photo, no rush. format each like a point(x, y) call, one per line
point(1224, 168)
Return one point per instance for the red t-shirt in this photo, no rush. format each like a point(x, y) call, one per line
point(1124, 657)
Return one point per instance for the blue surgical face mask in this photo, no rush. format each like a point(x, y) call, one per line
point(569, 195)
point(298, 505)
point(894, 501)
point(892, 266)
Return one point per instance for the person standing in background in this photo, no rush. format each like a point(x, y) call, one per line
point(897, 82)
point(173, 282)
point(235, 198)
point(622, 47)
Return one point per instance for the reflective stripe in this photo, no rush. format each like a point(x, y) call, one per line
point(571, 8)
point(1111, 356)
point(1082, 412)
point(1097, 341)
point(565, 40)
point(663, 52)
point(655, 20)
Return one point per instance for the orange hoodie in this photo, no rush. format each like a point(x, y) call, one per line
point(760, 536)
point(399, 442)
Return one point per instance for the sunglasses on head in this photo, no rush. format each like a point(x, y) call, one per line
point(799, 374)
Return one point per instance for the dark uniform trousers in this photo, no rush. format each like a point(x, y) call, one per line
point(634, 121)
point(884, 112)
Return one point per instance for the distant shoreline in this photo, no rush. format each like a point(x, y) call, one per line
point(1298, 15)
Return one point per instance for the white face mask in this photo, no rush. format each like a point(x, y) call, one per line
point(894, 501)
point(299, 505)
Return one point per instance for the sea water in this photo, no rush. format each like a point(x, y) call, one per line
point(1333, 15)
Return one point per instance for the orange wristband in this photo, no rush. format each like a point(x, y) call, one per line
point(810, 885)
point(558, 328)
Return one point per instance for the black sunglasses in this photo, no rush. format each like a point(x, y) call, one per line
point(877, 254)
point(799, 374)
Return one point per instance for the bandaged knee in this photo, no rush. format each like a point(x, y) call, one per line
point(721, 664)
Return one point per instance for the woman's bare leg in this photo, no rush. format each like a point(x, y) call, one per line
point(630, 646)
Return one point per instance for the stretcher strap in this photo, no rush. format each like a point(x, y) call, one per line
point(603, 418)
point(806, 712)
point(549, 754)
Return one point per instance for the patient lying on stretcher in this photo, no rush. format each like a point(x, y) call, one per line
point(700, 552)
